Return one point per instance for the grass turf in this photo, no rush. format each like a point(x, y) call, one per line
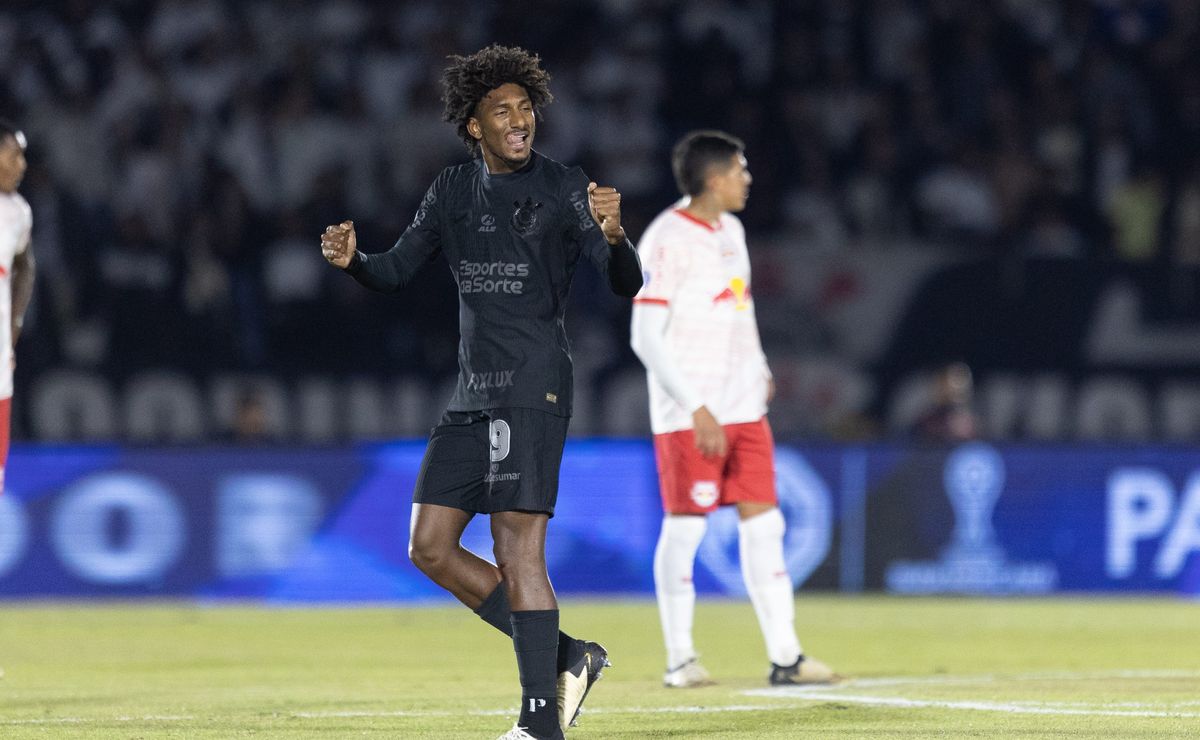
point(954, 668)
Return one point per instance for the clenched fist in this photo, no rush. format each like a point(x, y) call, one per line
point(339, 244)
point(605, 205)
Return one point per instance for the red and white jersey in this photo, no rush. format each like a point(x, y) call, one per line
point(701, 274)
point(16, 224)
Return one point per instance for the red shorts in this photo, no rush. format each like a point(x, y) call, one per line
point(693, 484)
point(5, 411)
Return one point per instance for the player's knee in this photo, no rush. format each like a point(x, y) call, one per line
point(519, 563)
point(427, 555)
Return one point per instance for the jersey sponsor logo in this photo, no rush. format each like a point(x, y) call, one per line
point(704, 493)
point(497, 379)
point(487, 223)
point(501, 477)
point(738, 293)
point(501, 439)
point(492, 277)
point(524, 219)
point(579, 203)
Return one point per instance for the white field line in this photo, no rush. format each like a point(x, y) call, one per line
point(984, 706)
point(805, 695)
point(94, 720)
point(1128, 709)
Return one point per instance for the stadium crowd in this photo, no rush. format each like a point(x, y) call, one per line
point(185, 154)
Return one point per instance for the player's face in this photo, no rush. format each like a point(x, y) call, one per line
point(504, 126)
point(731, 185)
point(12, 164)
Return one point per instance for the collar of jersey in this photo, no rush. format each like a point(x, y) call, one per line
point(508, 177)
point(699, 221)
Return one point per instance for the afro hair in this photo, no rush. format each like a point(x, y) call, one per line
point(468, 79)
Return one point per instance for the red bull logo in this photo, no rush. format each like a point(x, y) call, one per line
point(738, 292)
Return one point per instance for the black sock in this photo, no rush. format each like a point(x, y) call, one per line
point(535, 640)
point(495, 611)
point(569, 651)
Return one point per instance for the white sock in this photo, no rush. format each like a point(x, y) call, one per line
point(674, 558)
point(760, 546)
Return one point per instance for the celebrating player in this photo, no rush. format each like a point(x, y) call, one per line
point(16, 269)
point(513, 225)
point(694, 330)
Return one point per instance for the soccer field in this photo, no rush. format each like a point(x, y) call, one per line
point(1126, 668)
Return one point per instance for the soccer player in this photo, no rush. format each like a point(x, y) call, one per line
point(16, 270)
point(694, 329)
point(513, 224)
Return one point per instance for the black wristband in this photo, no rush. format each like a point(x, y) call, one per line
point(355, 265)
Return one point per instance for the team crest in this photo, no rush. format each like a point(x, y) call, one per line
point(704, 493)
point(524, 219)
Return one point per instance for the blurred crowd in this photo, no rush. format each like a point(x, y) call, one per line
point(185, 154)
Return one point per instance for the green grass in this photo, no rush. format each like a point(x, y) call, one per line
point(1074, 668)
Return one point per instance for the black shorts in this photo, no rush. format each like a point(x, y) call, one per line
point(493, 460)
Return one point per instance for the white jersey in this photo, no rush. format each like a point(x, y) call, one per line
point(701, 274)
point(16, 224)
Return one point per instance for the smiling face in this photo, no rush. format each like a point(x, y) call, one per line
point(730, 185)
point(12, 163)
point(504, 126)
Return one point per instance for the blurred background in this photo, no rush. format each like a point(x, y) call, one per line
point(1012, 185)
point(970, 221)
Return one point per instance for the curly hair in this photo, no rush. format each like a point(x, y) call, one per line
point(468, 79)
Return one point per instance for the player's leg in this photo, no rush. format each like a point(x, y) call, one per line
point(760, 548)
point(448, 493)
point(520, 541)
point(525, 453)
point(764, 570)
point(434, 547)
point(451, 488)
point(689, 486)
point(750, 484)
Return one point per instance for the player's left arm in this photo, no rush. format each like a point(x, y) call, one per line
point(24, 269)
point(622, 266)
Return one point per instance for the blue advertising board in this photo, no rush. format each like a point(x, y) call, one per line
point(330, 524)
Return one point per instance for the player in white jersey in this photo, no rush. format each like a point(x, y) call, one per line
point(16, 269)
point(694, 330)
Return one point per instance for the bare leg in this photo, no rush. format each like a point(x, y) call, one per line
point(519, 539)
point(433, 546)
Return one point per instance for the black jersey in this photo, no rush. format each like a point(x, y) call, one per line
point(513, 242)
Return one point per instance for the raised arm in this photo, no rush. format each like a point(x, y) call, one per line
point(620, 261)
point(388, 271)
point(385, 272)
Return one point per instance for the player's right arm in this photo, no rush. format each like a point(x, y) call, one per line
point(391, 270)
